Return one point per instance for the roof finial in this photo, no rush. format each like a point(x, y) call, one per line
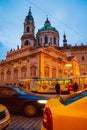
point(47, 22)
point(29, 16)
point(29, 10)
point(47, 18)
point(64, 40)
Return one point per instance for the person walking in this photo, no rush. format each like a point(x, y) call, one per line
point(57, 88)
point(85, 85)
point(75, 87)
point(70, 86)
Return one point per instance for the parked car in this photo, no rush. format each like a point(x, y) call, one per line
point(17, 100)
point(66, 113)
point(4, 118)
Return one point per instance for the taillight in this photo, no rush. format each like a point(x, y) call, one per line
point(47, 119)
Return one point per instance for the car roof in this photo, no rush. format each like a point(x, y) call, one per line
point(8, 86)
point(73, 97)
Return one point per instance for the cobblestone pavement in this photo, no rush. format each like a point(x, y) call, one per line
point(19, 122)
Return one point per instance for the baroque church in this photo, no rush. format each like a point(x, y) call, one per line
point(41, 56)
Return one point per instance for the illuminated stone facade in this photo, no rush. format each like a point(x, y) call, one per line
point(38, 57)
point(80, 52)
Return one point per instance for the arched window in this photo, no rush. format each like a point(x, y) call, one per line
point(2, 76)
point(26, 42)
point(54, 40)
point(41, 40)
point(8, 75)
point(23, 72)
point(46, 39)
point(60, 73)
point(15, 74)
point(33, 71)
point(46, 71)
point(53, 73)
point(50, 39)
point(83, 58)
point(28, 29)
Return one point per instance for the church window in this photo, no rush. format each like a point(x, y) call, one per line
point(53, 73)
point(83, 58)
point(2, 76)
point(83, 66)
point(46, 71)
point(54, 40)
point(46, 39)
point(26, 42)
point(33, 70)
point(8, 75)
point(28, 29)
point(84, 73)
point(41, 40)
point(23, 72)
point(60, 73)
point(50, 39)
point(15, 74)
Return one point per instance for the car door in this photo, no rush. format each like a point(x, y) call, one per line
point(10, 98)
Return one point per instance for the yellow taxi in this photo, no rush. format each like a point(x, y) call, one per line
point(66, 113)
point(4, 118)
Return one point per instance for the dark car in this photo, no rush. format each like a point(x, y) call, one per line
point(17, 100)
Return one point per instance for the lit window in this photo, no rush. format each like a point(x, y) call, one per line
point(83, 65)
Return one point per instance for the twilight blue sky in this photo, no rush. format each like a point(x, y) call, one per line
point(67, 16)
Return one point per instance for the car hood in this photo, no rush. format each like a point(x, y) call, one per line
point(33, 97)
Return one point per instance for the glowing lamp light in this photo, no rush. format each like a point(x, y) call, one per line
point(68, 65)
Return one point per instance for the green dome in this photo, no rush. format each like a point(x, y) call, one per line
point(29, 16)
point(47, 26)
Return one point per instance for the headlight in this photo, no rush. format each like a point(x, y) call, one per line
point(42, 101)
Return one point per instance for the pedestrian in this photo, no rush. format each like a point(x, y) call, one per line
point(75, 87)
point(70, 86)
point(85, 85)
point(57, 88)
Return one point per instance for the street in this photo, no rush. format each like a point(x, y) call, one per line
point(20, 122)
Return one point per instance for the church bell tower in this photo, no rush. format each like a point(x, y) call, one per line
point(28, 38)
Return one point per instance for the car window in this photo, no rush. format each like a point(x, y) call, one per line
point(73, 97)
point(19, 90)
point(6, 91)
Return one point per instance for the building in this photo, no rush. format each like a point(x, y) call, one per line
point(79, 51)
point(40, 56)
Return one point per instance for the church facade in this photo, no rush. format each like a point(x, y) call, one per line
point(40, 56)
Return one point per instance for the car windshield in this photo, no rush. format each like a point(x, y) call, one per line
point(19, 90)
point(73, 97)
